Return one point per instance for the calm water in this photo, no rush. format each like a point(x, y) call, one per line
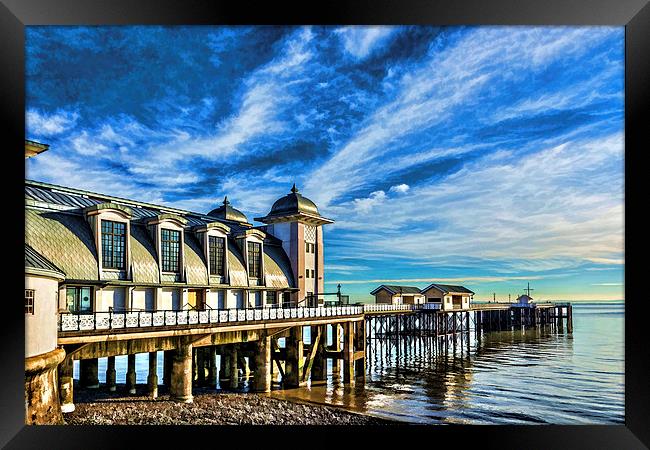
point(517, 377)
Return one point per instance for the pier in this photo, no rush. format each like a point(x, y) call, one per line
point(249, 341)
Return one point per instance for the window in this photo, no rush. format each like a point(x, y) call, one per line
point(29, 301)
point(271, 298)
point(310, 248)
point(78, 299)
point(306, 273)
point(254, 249)
point(171, 245)
point(217, 247)
point(113, 244)
point(313, 273)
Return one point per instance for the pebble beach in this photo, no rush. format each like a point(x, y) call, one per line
point(100, 407)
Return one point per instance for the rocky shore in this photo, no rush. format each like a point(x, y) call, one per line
point(100, 407)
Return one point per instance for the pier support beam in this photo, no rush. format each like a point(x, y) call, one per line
point(66, 385)
point(212, 366)
point(111, 374)
point(180, 388)
point(130, 374)
point(224, 364)
point(319, 365)
point(234, 369)
point(168, 356)
point(295, 361)
point(200, 363)
point(262, 373)
point(152, 378)
point(337, 331)
point(88, 377)
point(348, 352)
point(360, 341)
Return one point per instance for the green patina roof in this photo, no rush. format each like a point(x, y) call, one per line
point(65, 240)
point(143, 256)
point(195, 265)
point(274, 260)
point(236, 268)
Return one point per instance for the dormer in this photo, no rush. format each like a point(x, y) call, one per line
point(111, 227)
point(214, 241)
point(168, 234)
point(251, 243)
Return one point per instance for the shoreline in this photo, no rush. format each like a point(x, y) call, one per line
point(210, 407)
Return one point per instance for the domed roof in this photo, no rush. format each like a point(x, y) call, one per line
point(293, 203)
point(227, 212)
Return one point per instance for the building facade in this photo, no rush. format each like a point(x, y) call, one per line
point(87, 252)
point(450, 297)
point(398, 295)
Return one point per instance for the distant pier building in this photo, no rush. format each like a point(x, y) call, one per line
point(398, 295)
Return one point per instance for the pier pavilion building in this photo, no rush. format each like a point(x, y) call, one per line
point(450, 297)
point(398, 295)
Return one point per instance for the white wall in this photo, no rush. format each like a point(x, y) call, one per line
point(170, 299)
point(215, 299)
point(235, 298)
point(143, 299)
point(41, 327)
point(114, 297)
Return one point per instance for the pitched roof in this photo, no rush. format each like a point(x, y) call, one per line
point(447, 288)
point(396, 289)
point(35, 260)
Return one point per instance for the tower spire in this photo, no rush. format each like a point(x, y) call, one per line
point(294, 189)
point(225, 200)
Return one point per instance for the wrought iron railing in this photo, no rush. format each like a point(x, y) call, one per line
point(389, 307)
point(432, 306)
point(139, 319)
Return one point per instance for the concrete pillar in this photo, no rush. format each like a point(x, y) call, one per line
point(66, 385)
point(337, 331)
point(262, 373)
point(195, 370)
point(348, 352)
point(319, 366)
point(180, 387)
point(242, 363)
point(152, 378)
point(167, 367)
point(295, 361)
point(212, 366)
point(234, 370)
point(88, 377)
point(110, 374)
point(130, 374)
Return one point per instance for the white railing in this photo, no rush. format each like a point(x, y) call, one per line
point(432, 306)
point(145, 319)
point(389, 307)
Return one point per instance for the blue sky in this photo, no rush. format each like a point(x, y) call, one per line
point(483, 156)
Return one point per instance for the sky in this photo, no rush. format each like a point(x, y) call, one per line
point(483, 156)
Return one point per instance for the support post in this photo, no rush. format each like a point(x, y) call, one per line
point(348, 352)
point(295, 362)
point(319, 368)
point(234, 370)
point(262, 373)
point(180, 388)
point(66, 385)
point(200, 362)
point(111, 374)
point(130, 374)
point(168, 356)
point(360, 340)
point(337, 330)
point(212, 366)
point(152, 378)
point(88, 373)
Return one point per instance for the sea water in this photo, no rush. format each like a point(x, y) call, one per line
point(534, 376)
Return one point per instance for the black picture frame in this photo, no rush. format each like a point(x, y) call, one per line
point(633, 14)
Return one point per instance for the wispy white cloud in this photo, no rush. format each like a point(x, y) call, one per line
point(472, 279)
point(361, 41)
point(46, 125)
